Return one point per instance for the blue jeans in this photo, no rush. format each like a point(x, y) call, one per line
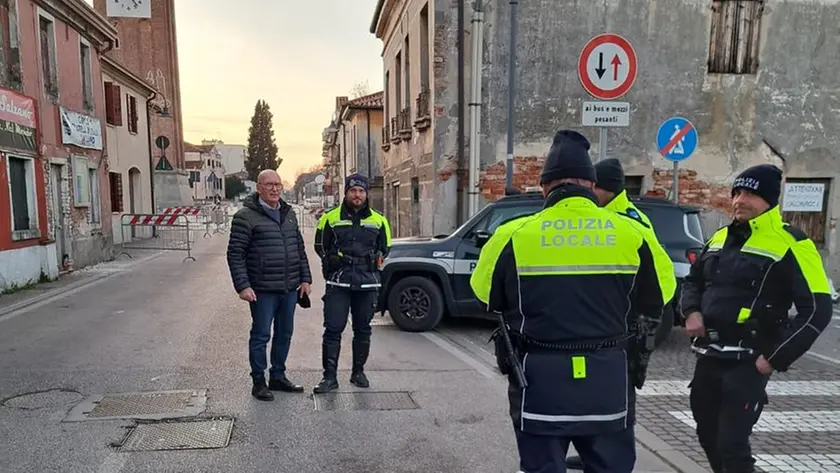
point(277, 309)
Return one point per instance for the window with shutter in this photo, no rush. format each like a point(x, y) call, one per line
point(117, 100)
point(115, 180)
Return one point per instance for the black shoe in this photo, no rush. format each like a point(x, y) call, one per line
point(361, 350)
point(574, 463)
point(329, 356)
point(283, 384)
point(261, 391)
point(326, 385)
point(359, 379)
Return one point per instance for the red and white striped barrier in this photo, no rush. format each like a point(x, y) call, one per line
point(161, 220)
point(182, 210)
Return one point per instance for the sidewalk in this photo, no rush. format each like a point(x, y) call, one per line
point(43, 293)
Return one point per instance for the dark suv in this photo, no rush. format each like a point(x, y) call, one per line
point(426, 277)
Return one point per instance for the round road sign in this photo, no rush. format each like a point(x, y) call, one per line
point(607, 66)
point(676, 139)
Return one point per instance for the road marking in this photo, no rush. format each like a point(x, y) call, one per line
point(790, 463)
point(62, 294)
point(774, 388)
point(823, 357)
point(461, 355)
point(783, 421)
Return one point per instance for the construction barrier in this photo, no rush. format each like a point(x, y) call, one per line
point(165, 232)
point(204, 217)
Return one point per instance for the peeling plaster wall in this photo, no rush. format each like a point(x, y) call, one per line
point(793, 103)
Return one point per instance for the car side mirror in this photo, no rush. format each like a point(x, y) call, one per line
point(481, 238)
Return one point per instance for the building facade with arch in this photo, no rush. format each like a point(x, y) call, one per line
point(131, 161)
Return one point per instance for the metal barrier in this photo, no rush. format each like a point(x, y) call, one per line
point(156, 232)
point(204, 217)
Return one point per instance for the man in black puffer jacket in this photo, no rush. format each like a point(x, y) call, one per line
point(270, 270)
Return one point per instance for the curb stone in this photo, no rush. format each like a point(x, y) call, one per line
point(670, 455)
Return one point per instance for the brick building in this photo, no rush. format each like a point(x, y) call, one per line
point(51, 188)
point(352, 144)
point(148, 48)
point(419, 161)
point(757, 89)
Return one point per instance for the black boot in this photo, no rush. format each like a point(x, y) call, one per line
point(329, 354)
point(282, 383)
point(360, 356)
point(260, 390)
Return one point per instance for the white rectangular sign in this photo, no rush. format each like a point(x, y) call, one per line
point(803, 197)
point(606, 114)
point(80, 130)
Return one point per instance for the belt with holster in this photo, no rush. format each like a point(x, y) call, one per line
point(530, 345)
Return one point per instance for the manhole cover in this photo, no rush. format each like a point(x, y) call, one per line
point(180, 435)
point(153, 405)
point(43, 399)
point(365, 401)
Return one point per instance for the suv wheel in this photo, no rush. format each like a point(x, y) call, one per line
point(415, 304)
point(664, 328)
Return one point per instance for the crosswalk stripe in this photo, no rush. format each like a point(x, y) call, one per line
point(783, 421)
point(774, 388)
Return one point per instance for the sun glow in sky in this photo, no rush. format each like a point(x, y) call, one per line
point(296, 55)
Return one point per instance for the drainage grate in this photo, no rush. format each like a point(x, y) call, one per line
point(365, 401)
point(153, 405)
point(178, 435)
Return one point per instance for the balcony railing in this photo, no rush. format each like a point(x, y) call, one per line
point(424, 116)
point(386, 138)
point(404, 123)
point(395, 129)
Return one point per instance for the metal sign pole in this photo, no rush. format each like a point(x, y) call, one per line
point(511, 91)
point(676, 182)
point(602, 144)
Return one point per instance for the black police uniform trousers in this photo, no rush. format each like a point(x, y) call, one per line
point(605, 453)
point(361, 305)
point(614, 453)
point(727, 397)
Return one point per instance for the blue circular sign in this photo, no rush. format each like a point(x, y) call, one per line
point(676, 139)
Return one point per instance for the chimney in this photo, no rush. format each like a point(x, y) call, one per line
point(340, 102)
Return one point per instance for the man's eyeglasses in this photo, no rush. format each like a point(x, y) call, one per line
point(271, 185)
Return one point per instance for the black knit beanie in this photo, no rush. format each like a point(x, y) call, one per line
point(356, 180)
point(568, 158)
point(610, 175)
point(764, 180)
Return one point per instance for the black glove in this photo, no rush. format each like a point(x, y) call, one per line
point(333, 263)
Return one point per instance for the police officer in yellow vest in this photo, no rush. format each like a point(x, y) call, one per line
point(567, 280)
point(736, 299)
point(611, 194)
point(351, 240)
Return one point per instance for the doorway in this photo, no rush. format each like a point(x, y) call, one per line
point(135, 205)
point(57, 183)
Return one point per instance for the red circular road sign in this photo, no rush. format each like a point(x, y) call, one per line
point(607, 66)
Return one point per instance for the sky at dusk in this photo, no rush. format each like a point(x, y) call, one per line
point(296, 55)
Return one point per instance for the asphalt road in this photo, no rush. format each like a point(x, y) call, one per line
point(157, 325)
point(798, 431)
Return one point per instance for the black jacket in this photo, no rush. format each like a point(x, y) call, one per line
point(349, 245)
point(745, 281)
point(264, 254)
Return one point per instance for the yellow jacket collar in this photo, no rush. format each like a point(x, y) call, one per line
point(770, 219)
point(620, 202)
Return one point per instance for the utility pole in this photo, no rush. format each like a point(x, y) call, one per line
point(514, 6)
